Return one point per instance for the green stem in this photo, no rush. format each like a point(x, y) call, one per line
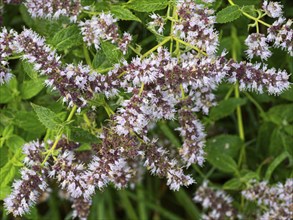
point(127, 205)
point(249, 16)
point(262, 112)
point(229, 93)
point(189, 45)
point(141, 89)
point(242, 156)
point(87, 56)
point(134, 50)
point(141, 202)
point(50, 152)
point(156, 47)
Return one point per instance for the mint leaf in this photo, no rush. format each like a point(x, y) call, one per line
point(123, 13)
point(47, 117)
point(67, 38)
point(31, 88)
point(228, 14)
point(82, 136)
point(113, 54)
point(147, 5)
point(225, 108)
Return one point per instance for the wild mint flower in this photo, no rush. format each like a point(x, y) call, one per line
point(53, 9)
point(257, 46)
point(196, 26)
point(258, 78)
point(26, 191)
point(281, 34)
point(124, 42)
point(6, 50)
point(157, 22)
point(99, 28)
point(277, 199)
point(192, 132)
point(216, 202)
point(159, 163)
point(81, 208)
point(272, 9)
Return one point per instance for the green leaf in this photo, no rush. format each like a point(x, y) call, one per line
point(224, 144)
point(15, 142)
point(5, 94)
point(31, 88)
point(123, 13)
point(223, 162)
point(246, 2)
point(29, 70)
point(249, 9)
point(147, 5)
point(7, 174)
point(288, 94)
point(287, 141)
point(47, 117)
point(112, 53)
point(67, 38)
point(100, 61)
point(4, 192)
point(233, 184)
point(281, 114)
point(8, 91)
point(276, 145)
point(248, 175)
point(228, 14)
point(83, 136)
point(225, 108)
point(277, 161)
point(28, 121)
point(87, 2)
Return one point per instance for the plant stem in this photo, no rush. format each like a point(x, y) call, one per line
point(156, 47)
point(251, 17)
point(141, 89)
point(189, 45)
point(50, 152)
point(87, 56)
point(262, 112)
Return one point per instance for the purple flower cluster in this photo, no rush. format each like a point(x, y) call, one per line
point(6, 50)
point(53, 9)
point(275, 202)
point(216, 202)
point(103, 28)
point(27, 190)
point(280, 34)
point(196, 25)
point(162, 87)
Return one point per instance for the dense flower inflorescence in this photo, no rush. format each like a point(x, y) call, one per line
point(217, 203)
point(6, 50)
point(159, 85)
point(257, 46)
point(281, 34)
point(194, 138)
point(53, 9)
point(258, 78)
point(272, 9)
point(26, 191)
point(196, 26)
point(277, 199)
point(101, 28)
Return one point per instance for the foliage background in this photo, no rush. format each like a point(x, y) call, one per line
point(268, 125)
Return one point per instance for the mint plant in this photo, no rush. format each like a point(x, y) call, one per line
point(95, 93)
